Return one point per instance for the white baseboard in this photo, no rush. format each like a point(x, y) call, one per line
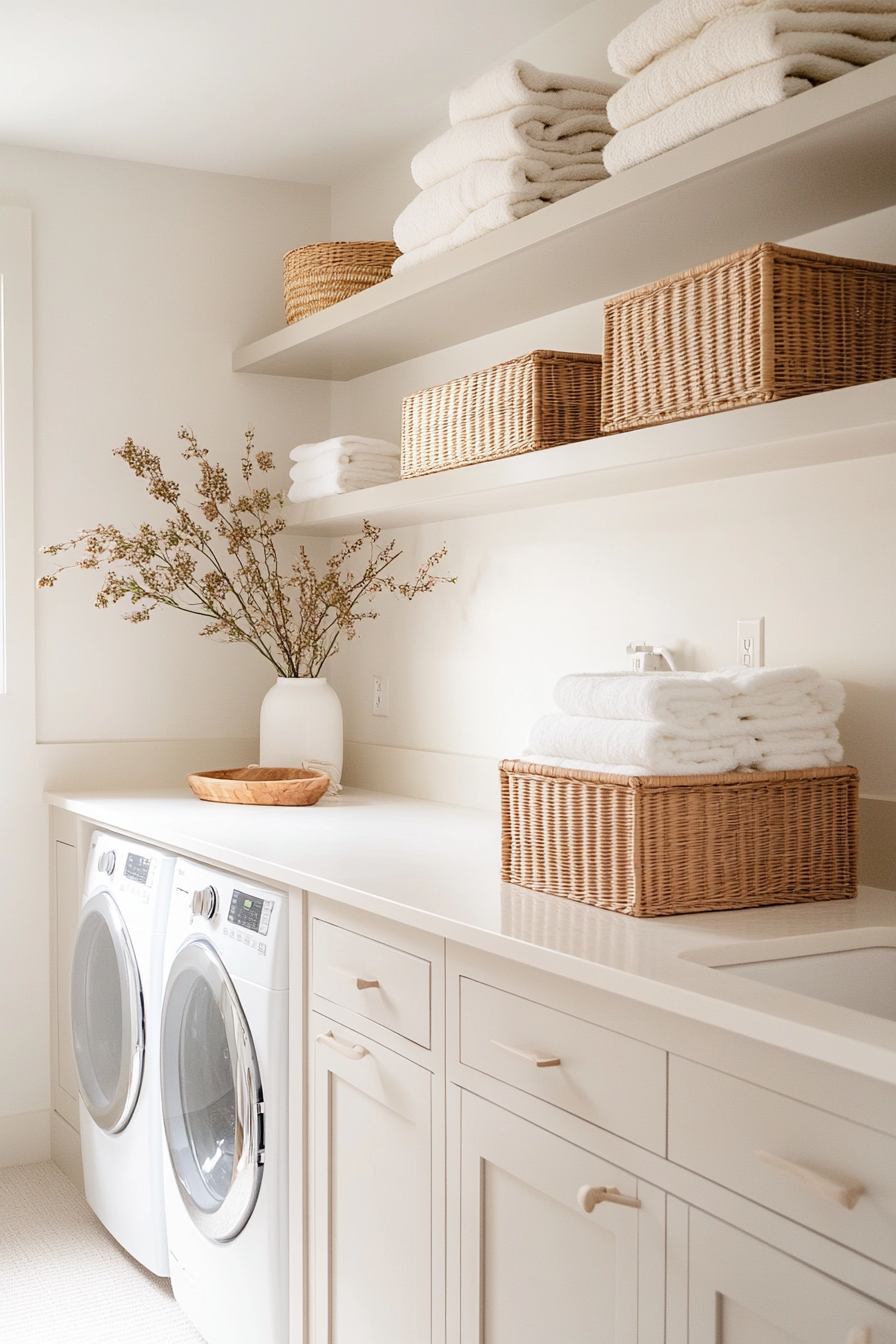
point(469, 781)
point(24, 1138)
point(157, 764)
point(65, 1150)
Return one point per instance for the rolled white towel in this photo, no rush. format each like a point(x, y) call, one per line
point(728, 100)
point(737, 42)
point(661, 748)
point(441, 209)
point(551, 134)
point(692, 699)
point(342, 447)
point(670, 22)
point(519, 84)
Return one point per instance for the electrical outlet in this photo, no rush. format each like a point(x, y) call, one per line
point(751, 642)
point(381, 696)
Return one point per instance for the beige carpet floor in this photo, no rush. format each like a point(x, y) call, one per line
point(64, 1280)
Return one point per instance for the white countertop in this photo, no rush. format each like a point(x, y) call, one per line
point(437, 868)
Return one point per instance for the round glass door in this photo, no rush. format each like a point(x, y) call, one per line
point(108, 1027)
point(212, 1102)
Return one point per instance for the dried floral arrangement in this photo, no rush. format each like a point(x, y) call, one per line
point(295, 618)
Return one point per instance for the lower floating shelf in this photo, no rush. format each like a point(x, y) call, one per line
point(852, 422)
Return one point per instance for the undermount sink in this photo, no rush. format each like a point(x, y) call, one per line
point(854, 969)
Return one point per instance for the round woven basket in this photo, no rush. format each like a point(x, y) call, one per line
point(322, 274)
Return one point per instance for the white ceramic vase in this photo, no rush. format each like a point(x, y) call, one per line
point(301, 720)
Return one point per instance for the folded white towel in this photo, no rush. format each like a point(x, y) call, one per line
point(358, 475)
point(498, 213)
point(671, 22)
point(594, 767)
point(519, 84)
point(659, 747)
point(737, 42)
point(552, 134)
point(340, 480)
point(343, 447)
point(441, 209)
point(690, 699)
point(728, 100)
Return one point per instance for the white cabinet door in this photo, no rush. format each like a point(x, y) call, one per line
point(741, 1291)
point(535, 1268)
point(372, 1170)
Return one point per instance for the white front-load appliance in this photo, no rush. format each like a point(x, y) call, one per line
point(116, 1004)
point(224, 1104)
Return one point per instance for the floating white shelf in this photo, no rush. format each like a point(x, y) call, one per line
point(850, 423)
point(824, 156)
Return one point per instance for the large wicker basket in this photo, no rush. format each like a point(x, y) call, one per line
point(537, 401)
point(670, 845)
point(317, 276)
point(760, 325)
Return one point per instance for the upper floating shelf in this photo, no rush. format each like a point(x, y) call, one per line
point(839, 426)
point(821, 157)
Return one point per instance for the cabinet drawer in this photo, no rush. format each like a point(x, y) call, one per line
point(374, 979)
point(596, 1074)
point(794, 1158)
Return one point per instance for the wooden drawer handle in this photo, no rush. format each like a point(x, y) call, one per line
point(859, 1334)
point(342, 1047)
point(360, 983)
point(847, 1195)
point(537, 1060)
point(589, 1195)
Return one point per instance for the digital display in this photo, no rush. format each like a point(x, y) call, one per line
point(137, 868)
point(250, 912)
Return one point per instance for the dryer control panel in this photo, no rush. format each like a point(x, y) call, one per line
point(250, 912)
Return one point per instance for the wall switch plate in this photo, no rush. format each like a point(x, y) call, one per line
point(751, 642)
point(381, 696)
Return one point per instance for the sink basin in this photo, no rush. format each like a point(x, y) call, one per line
point(856, 969)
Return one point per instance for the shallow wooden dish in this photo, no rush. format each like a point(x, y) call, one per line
point(261, 785)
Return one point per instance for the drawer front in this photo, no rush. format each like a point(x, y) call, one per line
point(596, 1074)
point(374, 979)
point(793, 1158)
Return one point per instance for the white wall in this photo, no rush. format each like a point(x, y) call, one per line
point(145, 280)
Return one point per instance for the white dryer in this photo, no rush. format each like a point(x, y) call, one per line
point(116, 1003)
point(224, 1104)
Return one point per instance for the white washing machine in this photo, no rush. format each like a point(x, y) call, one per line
point(224, 1104)
point(116, 1004)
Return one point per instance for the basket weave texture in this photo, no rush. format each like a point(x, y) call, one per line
point(317, 276)
point(647, 846)
point(760, 325)
point(536, 401)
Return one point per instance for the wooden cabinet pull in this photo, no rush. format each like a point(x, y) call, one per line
point(360, 982)
point(846, 1195)
point(589, 1195)
point(342, 1047)
point(859, 1334)
point(537, 1060)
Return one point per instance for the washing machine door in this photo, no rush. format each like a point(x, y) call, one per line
point(108, 1022)
point(212, 1102)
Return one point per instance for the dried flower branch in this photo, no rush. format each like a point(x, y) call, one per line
point(295, 620)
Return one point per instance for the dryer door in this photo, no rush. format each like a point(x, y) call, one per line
point(212, 1101)
point(108, 1025)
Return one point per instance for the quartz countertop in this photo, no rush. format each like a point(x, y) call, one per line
point(436, 867)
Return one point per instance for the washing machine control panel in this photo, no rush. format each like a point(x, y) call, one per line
point(250, 912)
point(139, 868)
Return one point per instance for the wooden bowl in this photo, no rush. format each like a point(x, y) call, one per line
point(264, 786)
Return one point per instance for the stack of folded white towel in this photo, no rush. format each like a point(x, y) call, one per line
point(339, 465)
point(691, 723)
point(520, 138)
point(699, 64)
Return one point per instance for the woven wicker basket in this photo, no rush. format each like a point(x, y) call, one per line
point(664, 846)
point(322, 274)
point(761, 325)
point(536, 401)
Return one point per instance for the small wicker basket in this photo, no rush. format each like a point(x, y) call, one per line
point(537, 401)
point(317, 276)
point(644, 845)
point(760, 325)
